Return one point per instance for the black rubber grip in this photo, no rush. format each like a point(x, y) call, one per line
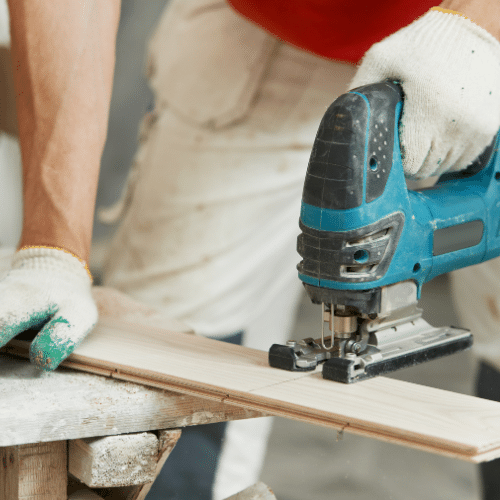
point(355, 134)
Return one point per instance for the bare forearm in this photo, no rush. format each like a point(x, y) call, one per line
point(486, 13)
point(63, 57)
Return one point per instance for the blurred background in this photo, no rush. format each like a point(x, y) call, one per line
point(303, 461)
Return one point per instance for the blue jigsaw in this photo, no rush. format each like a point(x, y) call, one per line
point(368, 243)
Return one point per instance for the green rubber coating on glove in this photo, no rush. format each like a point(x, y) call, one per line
point(47, 351)
point(9, 331)
point(60, 320)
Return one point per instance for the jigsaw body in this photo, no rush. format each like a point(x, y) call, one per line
point(368, 244)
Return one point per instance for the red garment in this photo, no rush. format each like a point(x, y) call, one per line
point(335, 29)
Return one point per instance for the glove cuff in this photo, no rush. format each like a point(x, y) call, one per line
point(51, 259)
point(442, 28)
point(448, 11)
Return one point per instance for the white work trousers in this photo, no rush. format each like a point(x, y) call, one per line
point(210, 216)
point(476, 296)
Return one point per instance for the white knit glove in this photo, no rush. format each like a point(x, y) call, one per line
point(49, 287)
point(449, 69)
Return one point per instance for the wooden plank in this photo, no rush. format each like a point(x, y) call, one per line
point(167, 439)
point(113, 461)
point(40, 407)
point(33, 472)
point(9, 473)
point(450, 424)
point(258, 491)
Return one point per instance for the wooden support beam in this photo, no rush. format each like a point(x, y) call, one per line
point(112, 461)
point(258, 491)
point(34, 472)
point(84, 495)
point(167, 439)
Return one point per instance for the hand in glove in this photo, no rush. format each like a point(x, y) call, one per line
point(449, 69)
point(50, 287)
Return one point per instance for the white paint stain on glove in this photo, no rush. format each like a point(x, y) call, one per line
point(449, 69)
point(48, 287)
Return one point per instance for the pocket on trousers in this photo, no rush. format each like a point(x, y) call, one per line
point(206, 62)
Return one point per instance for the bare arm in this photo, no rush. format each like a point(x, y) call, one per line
point(63, 60)
point(486, 13)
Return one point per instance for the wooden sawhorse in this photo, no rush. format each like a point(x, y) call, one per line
point(64, 432)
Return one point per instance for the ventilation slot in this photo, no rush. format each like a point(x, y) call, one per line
point(354, 269)
point(384, 233)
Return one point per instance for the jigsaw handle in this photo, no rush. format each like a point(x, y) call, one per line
point(362, 228)
point(352, 155)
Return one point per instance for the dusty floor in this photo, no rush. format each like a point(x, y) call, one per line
point(306, 462)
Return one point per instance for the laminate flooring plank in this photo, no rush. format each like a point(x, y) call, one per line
point(430, 419)
point(422, 417)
